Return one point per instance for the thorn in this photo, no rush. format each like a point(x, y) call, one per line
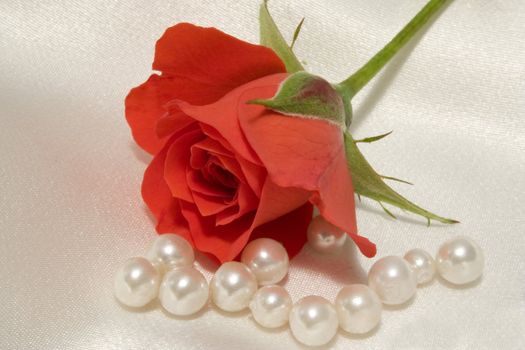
point(396, 179)
point(374, 138)
point(359, 197)
point(428, 222)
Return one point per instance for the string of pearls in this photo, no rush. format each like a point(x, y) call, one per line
point(167, 272)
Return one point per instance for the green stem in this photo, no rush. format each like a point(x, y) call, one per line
point(359, 79)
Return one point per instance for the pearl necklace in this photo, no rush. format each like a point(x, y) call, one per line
point(167, 272)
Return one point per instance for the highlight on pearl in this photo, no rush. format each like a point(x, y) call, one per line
point(358, 308)
point(267, 259)
point(324, 237)
point(271, 306)
point(460, 260)
point(136, 282)
point(233, 286)
point(169, 251)
point(422, 264)
point(313, 320)
point(183, 291)
point(393, 280)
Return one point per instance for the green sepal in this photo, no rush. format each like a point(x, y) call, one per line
point(373, 138)
point(271, 37)
point(370, 184)
point(296, 33)
point(305, 95)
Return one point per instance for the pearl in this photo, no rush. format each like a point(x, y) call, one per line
point(358, 308)
point(169, 251)
point(460, 260)
point(136, 282)
point(393, 280)
point(313, 321)
point(184, 291)
point(422, 264)
point(271, 306)
point(324, 237)
point(267, 259)
point(233, 286)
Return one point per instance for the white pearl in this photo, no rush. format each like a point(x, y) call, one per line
point(423, 265)
point(393, 280)
point(233, 286)
point(136, 282)
point(169, 251)
point(460, 260)
point(324, 237)
point(267, 259)
point(313, 321)
point(359, 308)
point(271, 306)
point(184, 291)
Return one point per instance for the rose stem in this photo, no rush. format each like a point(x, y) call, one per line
point(351, 86)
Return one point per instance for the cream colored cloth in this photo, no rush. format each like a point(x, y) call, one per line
point(70, 175)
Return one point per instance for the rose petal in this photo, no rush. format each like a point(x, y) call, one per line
point(177, 159)
point(200, 65)
point(335, 200)
point(198, 184)
point(276, 201)
point(160, 201)
point(211, 56)
point(224, 242)
point(289, 229)
point(304, 153)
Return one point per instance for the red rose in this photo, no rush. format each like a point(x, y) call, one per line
point(224, 171)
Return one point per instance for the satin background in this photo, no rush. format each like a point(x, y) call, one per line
point(70, 175)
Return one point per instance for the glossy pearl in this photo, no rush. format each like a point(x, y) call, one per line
point(460, 260)
point(169, 251)
point(271, 306)
point(358, 308)
point(267, 259)
point(233, 286)
point(393, 280)
point(313, 321)
point(136, 282)
point(324, 237)
point(184, 291)
point(422, 264)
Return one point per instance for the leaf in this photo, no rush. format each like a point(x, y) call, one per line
point(374, 138)
point(271, 37)
point(296, 33)
point(305, 95)
point(369, 184)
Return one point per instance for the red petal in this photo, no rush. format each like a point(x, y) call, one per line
point(307, 154)
point(335, 200)
point(201, 65)
point(177, 159)
point(158, 198)
point(211, 56)
point(289, 229)
point(224, 242)
point(276, 201)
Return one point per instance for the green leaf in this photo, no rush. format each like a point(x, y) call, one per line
point(271, 37)
point(369, 184)
point(305, 95)
point(296, 33)
point(373, 138)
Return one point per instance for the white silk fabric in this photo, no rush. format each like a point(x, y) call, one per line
point(70, 175)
